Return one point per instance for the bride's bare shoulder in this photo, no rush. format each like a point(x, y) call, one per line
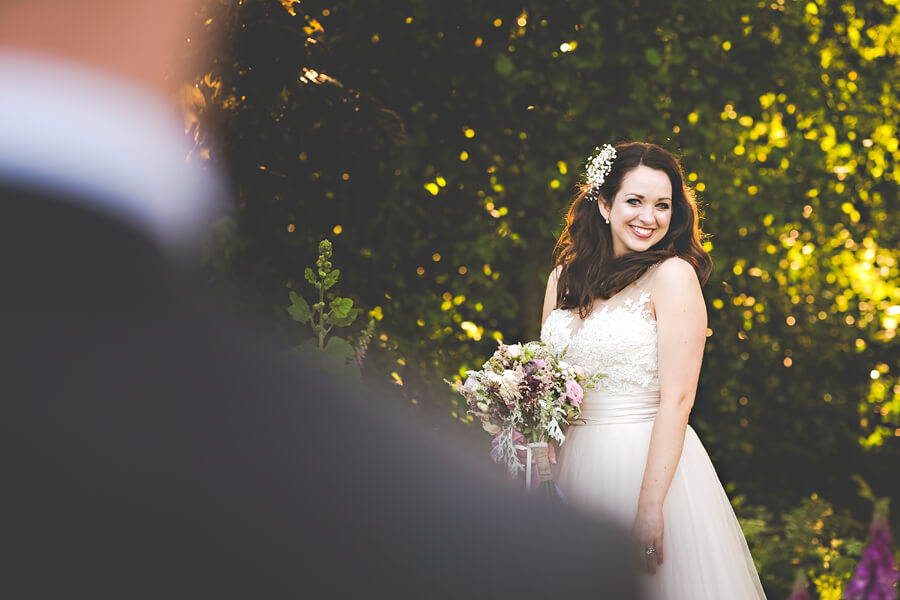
point(675, 270)
point(675, 277)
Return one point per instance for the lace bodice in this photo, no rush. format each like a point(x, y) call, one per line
point(618, 339)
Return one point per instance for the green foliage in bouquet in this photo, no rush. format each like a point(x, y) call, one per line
point(339, 354)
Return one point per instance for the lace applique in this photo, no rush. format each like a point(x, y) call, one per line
point(641, 306)
point(618, 342)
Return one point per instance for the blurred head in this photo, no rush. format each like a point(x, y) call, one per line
point(136, 40)
point(97, 80)
point(652, 215)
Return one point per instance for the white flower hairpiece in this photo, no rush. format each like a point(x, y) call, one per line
point(598, 167)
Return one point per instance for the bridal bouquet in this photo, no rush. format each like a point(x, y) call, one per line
point(525, 392)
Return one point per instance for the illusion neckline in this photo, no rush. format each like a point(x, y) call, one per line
point(604, 310)
point(605, 303)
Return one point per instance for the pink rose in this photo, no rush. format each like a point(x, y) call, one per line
point(574, 392)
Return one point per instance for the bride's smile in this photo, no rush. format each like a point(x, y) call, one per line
point(642, 232)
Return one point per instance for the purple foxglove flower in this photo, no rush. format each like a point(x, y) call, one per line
point(876, 574)
point(801, 588)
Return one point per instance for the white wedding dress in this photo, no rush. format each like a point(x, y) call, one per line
point(601, 463)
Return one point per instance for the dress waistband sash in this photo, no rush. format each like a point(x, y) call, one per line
point(603, 408)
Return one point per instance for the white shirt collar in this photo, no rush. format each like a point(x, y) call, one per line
point(91, 138)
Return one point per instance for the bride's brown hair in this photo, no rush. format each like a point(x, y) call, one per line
point(590, 269)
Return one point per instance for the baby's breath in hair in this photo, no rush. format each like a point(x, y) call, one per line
point(598, 167)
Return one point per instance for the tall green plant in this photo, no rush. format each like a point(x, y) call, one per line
point(336, 351)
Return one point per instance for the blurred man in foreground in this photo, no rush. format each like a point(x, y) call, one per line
point(150, 450)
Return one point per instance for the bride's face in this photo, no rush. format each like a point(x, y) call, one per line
point(641, 210)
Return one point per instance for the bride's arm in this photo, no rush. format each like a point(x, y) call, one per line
point(550, 295)
point(549, 305)
point(681, 331)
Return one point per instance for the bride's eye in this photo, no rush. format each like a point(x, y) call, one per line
point(663, 205)
point(632, 201)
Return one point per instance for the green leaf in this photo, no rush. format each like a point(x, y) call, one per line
point(504, 65)
point(343, 321)
point(341, 307)
point(339, 350)
point(310, 276)
point(307, 351)
point(299, 309)
point(332, 361)
point(336, 359)
point(653, 57)
point(331, 278)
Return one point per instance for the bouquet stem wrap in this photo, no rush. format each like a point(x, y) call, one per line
point(541, 453)
point(507, 446)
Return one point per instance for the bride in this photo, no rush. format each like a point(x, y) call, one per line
point(625, 301)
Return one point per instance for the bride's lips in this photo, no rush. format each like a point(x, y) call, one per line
point(643, 232)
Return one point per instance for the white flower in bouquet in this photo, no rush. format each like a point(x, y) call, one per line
point(491, 428)
point(493, 377)
point(511, 380)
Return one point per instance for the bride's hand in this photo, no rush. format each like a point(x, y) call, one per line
point(648, 533)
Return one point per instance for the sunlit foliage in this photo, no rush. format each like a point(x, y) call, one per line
point(441, 143)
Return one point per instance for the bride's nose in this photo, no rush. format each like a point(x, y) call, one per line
point(646, 215)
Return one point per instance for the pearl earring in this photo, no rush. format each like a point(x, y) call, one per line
point(601, 212)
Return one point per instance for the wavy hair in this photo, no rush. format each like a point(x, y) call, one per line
point(590, 270)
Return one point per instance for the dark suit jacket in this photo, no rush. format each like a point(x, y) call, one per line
point(152, 450)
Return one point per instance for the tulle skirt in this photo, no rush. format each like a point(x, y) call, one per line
point(600, 468)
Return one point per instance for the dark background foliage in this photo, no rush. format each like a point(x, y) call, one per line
point(437, 144)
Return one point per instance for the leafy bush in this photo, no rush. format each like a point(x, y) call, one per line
point(811, 537)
